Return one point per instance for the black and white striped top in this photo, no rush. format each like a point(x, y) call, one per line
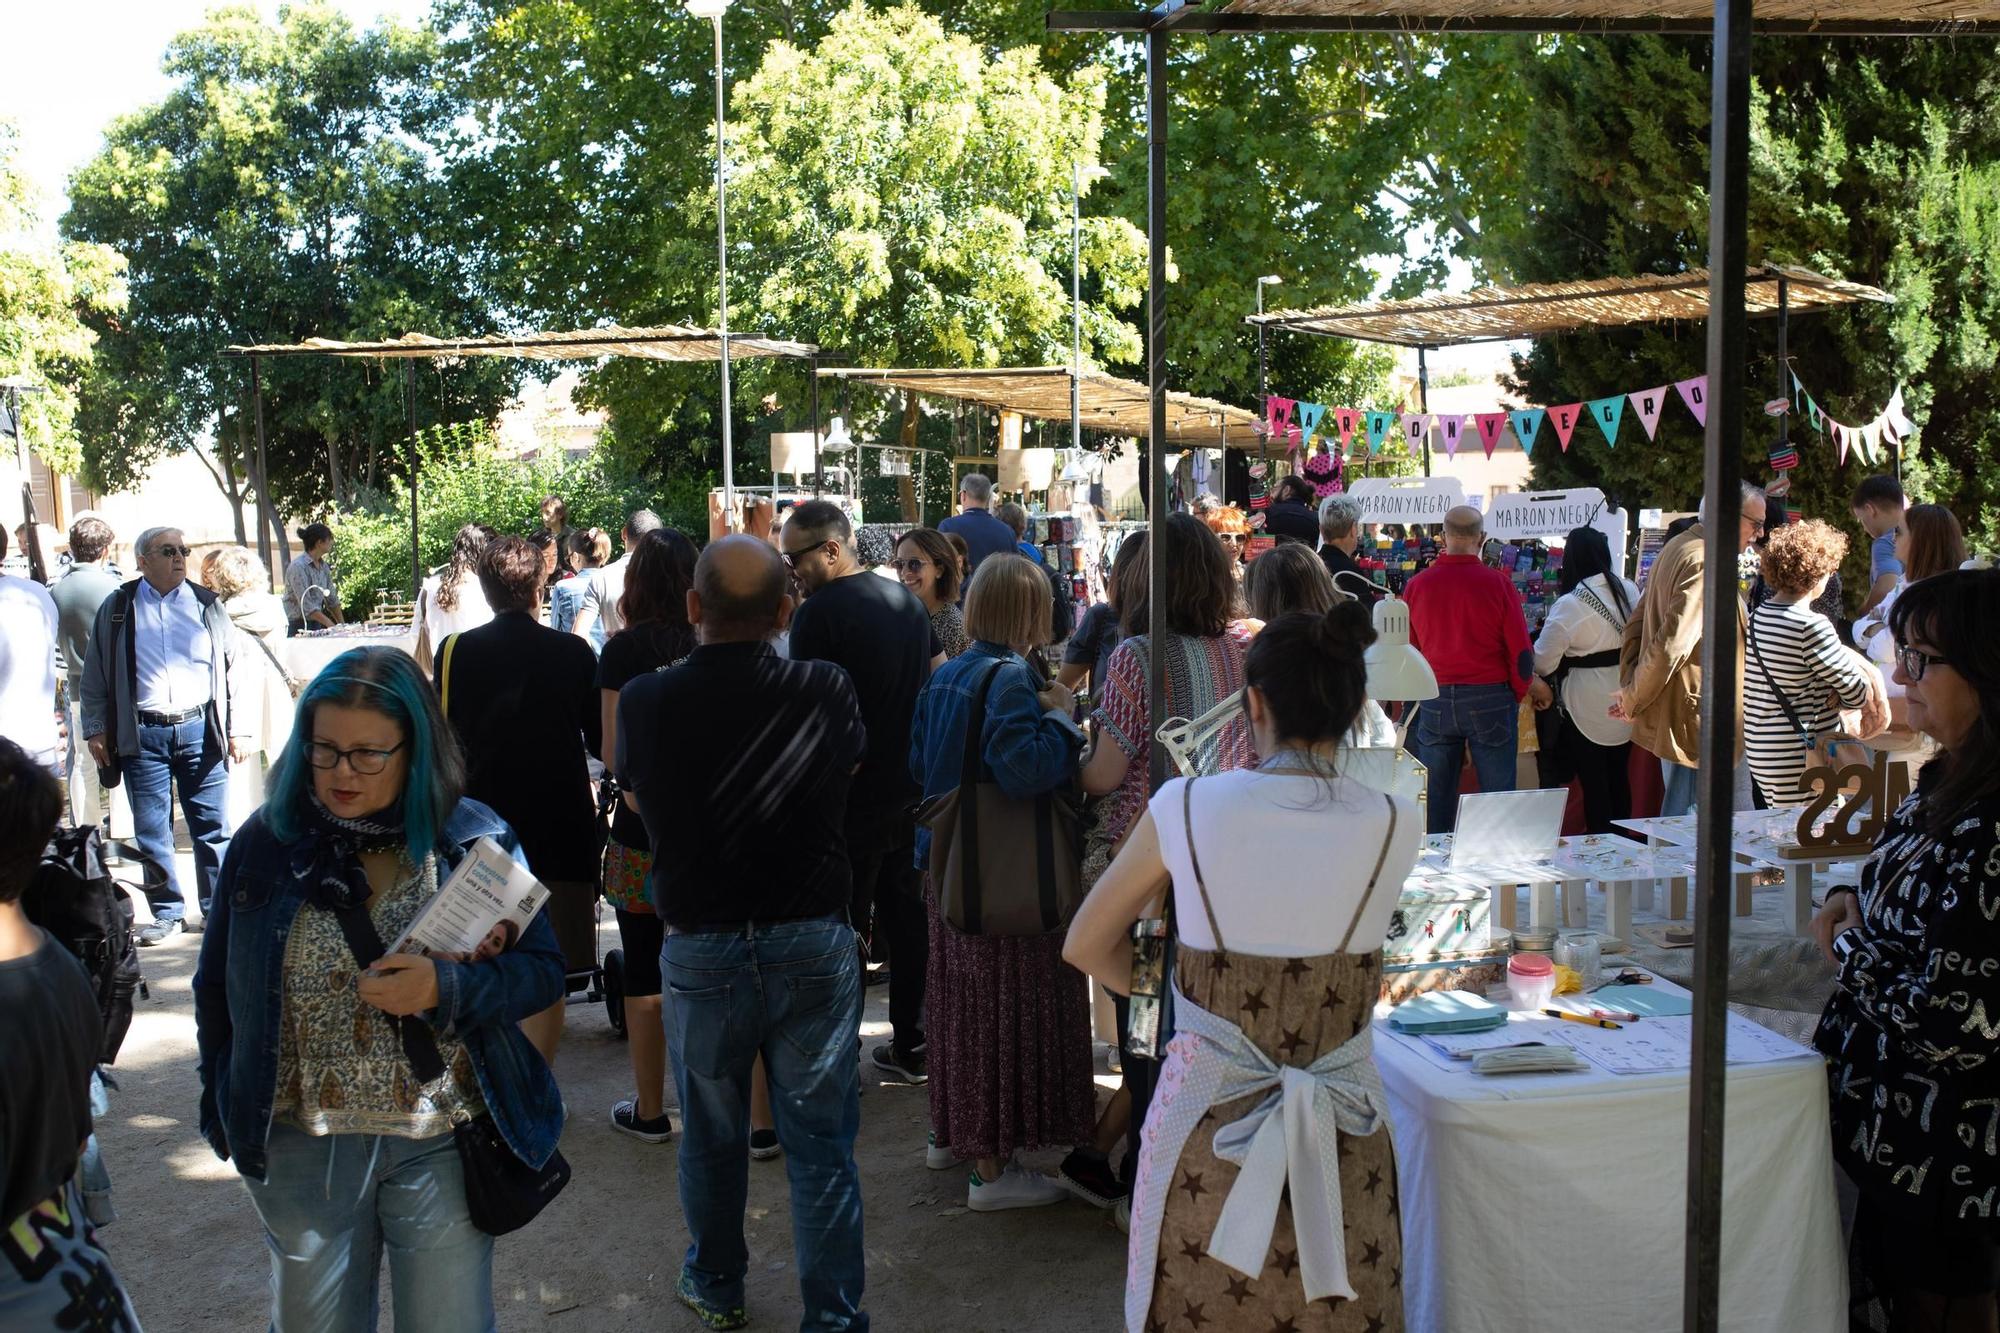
point(1806, 661)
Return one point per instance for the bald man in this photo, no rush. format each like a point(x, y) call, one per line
point(1467, 621)
point(738, 756)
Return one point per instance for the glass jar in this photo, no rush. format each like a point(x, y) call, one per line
point(1583, 953)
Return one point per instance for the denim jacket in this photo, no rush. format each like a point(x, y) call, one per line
point(239, 999)
point(1029, 749)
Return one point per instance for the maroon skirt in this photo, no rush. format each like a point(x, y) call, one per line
point(1009, 1031)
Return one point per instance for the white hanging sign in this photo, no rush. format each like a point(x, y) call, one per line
point(1407, 499)
point(1515, 515)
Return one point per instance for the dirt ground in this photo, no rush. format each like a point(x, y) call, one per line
point(605, 1254)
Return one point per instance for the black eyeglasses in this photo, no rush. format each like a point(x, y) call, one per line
point(792, 558)
point(182, 551)
point(365, 761)
point(914, 565)
point(1915, 661)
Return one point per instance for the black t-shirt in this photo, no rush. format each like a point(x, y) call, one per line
point(1289, 518)
point(1092, 643)
point(48, 1045)
point(741, 762)
point(631, 652)
point(879, 633)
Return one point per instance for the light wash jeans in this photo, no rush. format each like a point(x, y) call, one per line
point(792, 992)
point(1678, 783)
point(178, 757)
point(334, 1202)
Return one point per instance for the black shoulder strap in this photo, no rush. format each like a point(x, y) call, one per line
point(1381, 858)
point(1194, 862)
point(1791, 714)
point(419, 1045)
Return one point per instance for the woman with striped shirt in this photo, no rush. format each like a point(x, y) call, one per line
point(1796, 674)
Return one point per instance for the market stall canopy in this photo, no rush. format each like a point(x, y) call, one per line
point(1106, 403)
point(1821, 18)
point(661, 342)
point(1497, 314)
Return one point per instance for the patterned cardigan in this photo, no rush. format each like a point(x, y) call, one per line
point(1912, 1033)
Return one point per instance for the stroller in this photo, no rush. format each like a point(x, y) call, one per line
point(605, 982)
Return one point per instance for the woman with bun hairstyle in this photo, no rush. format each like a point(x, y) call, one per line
point(1278, 969)
point(311, 601)
point(588, 549)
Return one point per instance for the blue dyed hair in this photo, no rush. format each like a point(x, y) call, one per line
point(385, 681)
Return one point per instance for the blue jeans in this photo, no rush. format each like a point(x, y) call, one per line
point(178, 756)
point(332, 1203)
point(790, 991)
point(1485, 717)
point(1678, 788)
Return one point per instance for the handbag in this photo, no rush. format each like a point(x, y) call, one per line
point(292, 683)
point(1001, 865)
point(502, 1192)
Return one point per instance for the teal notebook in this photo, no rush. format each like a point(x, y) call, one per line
point(1438, 1012)
point(1646, 1001)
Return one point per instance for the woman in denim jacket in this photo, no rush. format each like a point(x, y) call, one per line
point(345, 1151)
point(1009, 1033)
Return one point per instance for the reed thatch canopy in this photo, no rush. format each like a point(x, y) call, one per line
point(1496, 314)
point(1107, 403)
point(1819, 17)
point(663, 342)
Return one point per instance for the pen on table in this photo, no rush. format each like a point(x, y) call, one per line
point(1619, 1014)
point(1584, 1019)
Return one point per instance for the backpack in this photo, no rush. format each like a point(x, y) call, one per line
point(1062, 606)
point(74, 898)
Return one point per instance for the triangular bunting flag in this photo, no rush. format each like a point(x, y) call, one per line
point(1278, 416)
point(1526, 423)
point(1839, 434)
point(1871, 435)
point(1798, 391)
point(1649, 403)
point(1310, 415)
point(1417, 429)
point(1607, 413)
point(1814, 417)
point(1378, 429)
point(1490, 425)
point(1564, 420)
point(1345, 419)
point(1452, 428)
point(1899, 416)
point(1694, 392)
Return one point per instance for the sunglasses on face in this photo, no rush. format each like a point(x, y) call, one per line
point(367, 761)
point(914, 565)
point(792, 558)
point(171, 551)
point(1915, 661)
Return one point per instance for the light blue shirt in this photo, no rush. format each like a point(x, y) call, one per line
point(174, 652)
point(1882, 556)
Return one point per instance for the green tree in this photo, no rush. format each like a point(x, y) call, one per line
point(47, 287)
point(289, 186)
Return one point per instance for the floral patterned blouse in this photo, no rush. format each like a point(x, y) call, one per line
point(948, 622)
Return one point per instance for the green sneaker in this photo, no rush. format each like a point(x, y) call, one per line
point(711, 1316)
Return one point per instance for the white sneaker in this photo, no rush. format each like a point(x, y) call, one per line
point(936, 1158)
point(1017, 1187)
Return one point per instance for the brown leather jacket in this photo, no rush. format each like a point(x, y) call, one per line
point(1660, 660)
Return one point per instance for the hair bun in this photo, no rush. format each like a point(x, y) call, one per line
point(1346, 629)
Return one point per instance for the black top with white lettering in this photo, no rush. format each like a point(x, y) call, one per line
point(48, 1045)
point(1912, 1033)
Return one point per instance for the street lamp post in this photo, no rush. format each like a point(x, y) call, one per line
point(1268, 280)
point(713, 10)
point(1078, 174)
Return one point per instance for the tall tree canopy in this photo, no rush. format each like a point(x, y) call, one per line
point(47, 287)
point(289, 186)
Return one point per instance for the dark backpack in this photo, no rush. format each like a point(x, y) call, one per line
point(1062, 608)
point(75, 899)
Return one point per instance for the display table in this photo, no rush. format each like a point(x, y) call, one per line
point(305, 655)
point(1765, 839)
point(1558, 1200)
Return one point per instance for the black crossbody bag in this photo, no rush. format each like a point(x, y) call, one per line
point(502, 1192)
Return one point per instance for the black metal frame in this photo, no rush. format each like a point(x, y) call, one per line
point(1728, 341)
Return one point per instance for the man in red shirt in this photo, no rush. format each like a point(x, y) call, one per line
point(1466, 620)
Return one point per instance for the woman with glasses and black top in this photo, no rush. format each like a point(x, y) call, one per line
point(333, 1076)
point(929, 567)
point(1910, 1033)
point(656, 635)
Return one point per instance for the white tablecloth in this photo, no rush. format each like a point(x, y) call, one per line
point(305, 654)
point(1558, 1200)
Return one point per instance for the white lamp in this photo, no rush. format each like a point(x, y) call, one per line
point(707, 9)
point(1396, 671)
point(836, 435)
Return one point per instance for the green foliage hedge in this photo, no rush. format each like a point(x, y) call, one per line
point(464, 479)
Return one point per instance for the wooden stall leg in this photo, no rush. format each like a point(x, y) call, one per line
point(1618, 910)
point(1799, 880)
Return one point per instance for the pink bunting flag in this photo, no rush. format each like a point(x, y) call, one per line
point(1694, 392)
point(1347, 419)
point(1649, 403)
point(1417, 429)
point(1452, 427)
point(1278, 416)
point(1491, 424)
point(1564, 420)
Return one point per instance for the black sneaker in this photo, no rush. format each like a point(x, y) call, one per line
point(625, 1119)
point(764, 1145)
point(1089, 1177)
point(906, 1065)
point(157, 931)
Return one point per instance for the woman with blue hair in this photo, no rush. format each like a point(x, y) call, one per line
point(346, 1149)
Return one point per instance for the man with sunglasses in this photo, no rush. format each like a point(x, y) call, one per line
point(157, 706)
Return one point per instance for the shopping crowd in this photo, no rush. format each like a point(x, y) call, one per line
point(897, 710)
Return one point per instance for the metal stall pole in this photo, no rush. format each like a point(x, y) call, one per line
point(812, 369)
point(264, 514)
point(1784, 361)
point(410, 410)
point(38, 567)
point(1424, 402)
point(1728, 343)
point(1156, 386)
point(1076, 307)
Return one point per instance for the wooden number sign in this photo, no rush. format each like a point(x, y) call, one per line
point(1878, 789)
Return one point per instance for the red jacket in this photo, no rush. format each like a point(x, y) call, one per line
point(1467, 621)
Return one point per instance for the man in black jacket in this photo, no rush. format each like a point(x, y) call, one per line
point(1290, 515)
point(523, 699)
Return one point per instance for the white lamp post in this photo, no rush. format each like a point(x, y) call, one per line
point(713, 10)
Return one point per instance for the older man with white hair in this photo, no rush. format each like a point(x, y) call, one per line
point(1339, 539)
point(157, 707)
